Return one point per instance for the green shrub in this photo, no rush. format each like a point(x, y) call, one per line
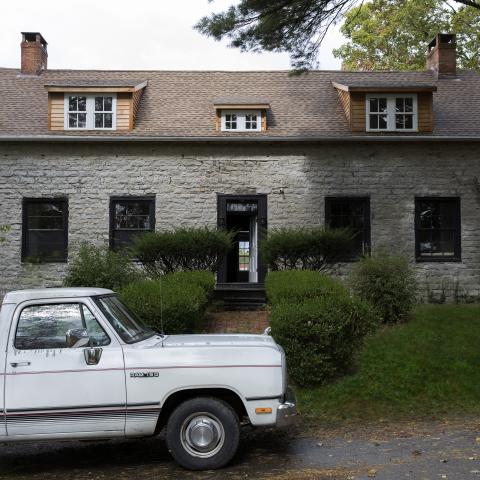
point(305, 249)
point(174, 303)
point(202, 278)
point(298, 285)
point(322, 335)
point(182, 250)
point(388, 283)
point(93, 266)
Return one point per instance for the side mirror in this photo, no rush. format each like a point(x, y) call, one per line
point(77, 337)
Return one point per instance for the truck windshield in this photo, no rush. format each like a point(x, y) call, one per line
point(130, 328)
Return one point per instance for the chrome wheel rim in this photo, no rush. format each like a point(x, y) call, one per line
point(202, 435)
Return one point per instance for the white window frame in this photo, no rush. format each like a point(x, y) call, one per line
point(90, 111)
point(391, 100)
point(241, 120)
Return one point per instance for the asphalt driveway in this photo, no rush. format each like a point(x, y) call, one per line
point(422, 452)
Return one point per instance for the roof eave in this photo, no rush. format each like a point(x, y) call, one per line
point(385, 88)
point(262, 139)
point(55, 88)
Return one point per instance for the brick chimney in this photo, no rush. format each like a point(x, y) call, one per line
point(442, 55)
point(34, 53)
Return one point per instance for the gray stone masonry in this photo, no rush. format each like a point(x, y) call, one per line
point(185, 178)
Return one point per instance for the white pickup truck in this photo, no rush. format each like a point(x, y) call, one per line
point(77, 364)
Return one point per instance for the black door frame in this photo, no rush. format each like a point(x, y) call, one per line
point(261, 200)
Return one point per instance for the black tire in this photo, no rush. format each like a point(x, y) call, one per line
point(204, 416)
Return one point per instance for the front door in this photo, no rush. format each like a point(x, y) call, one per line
point(246, 216)
point(49, 388)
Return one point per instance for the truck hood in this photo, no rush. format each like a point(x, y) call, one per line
point(227, 340)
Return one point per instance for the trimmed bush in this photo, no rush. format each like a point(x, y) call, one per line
point(93, 266)
point(318, 322)
point(182, 250)
point(204, 279)
point(306, 249)
point(322, 335)
point(388, 283)
point(298, 285)
point(179, 298)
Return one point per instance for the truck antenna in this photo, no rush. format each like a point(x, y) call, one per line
point(162, 331)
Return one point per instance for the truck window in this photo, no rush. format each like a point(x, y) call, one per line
point(45, 326)
point(130, 328)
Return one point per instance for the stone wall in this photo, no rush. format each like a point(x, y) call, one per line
point(186, 179)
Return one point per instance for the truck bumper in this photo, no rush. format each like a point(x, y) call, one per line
point(286, 411)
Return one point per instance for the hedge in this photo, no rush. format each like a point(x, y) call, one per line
point(174, 303)
point(298, 285)
point(305, 249)
point(182, 249)
point(318, 322)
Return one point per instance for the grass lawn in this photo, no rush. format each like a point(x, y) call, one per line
point(428, 367)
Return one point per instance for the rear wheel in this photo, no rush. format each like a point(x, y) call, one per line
point(203, 433)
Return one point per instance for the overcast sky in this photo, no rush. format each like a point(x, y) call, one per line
point(121, 34)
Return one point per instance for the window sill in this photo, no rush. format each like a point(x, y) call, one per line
point(43, 261)
point(438, 259)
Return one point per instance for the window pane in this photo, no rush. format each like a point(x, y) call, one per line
point(94, 329)
point(82, 104)
point(130, 218)
point(107, 104)
point(399, 105)
point(107, 120)
point(72, 120)
point(45, 231)
point(72, 103)
point(399, 121)
point(408, 121)
point(44, 216)
point(382, 122)
point(99, 120)
point(82, 120)
point(382, 104)
point(438, 230)
point(374, 104)
point(45, 326)
point(374, 121)
point(350, 213)
point(99, 104)
point(409, 104)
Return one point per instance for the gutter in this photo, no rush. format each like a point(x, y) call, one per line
point(159, 139)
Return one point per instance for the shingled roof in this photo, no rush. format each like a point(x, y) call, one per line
point(181, 104)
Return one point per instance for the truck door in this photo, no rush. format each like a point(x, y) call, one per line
point(50, 390)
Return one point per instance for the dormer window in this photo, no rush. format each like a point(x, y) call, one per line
point(241, 121)
point(391, 112)
point(90, 112)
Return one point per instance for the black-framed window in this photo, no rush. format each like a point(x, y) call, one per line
point(129, 217)
point(45, 230)
point(352, 213)
point(437, 229)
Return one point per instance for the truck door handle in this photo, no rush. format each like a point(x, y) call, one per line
point(20, 364)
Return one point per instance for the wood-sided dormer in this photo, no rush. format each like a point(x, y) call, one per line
point(406, 108)
point(86, 106)
point(241, 115)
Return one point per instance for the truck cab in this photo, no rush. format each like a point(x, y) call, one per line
point(79, 364)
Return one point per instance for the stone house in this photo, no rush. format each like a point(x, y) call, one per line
point(104, 155)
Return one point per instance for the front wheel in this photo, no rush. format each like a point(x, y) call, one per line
point(203, 433)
